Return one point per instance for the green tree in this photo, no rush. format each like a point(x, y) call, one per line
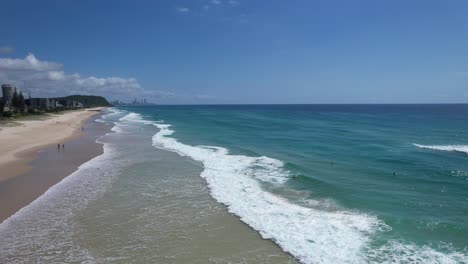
point(14, 100)
point(21, 103)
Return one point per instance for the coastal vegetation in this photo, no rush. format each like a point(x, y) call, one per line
point(20, 107)
point(87, 100)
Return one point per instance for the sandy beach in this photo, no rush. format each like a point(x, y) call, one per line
point(30, 162)
point(20, 142)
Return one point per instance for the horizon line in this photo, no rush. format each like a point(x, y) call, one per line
point(234, 104)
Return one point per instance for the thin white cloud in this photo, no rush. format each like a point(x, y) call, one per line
point(28, 63)
point(218, 3)
point(6, 49)
point(183, 9)
point(47, 79)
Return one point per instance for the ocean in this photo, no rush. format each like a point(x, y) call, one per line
point(259, 184)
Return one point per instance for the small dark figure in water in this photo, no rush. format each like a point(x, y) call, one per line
point(394, 173)
point(332, 163)
point(58, 147)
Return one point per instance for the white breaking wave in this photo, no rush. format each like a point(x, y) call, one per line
point(134, 117)
point(43, 231)
point(131, 117)
point(398, 252)
point(109, 114)
point(457, 148)
point(311, 235)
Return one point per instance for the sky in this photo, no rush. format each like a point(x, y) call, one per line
point(238, 51)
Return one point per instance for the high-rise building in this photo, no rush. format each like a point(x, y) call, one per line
point(7, 91)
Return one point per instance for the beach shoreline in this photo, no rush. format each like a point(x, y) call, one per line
point(30, 170)
point(19, 144)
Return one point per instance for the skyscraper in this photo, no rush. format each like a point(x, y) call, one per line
point(7, 91)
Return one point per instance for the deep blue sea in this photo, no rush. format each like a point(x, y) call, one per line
point(389, 182)
point(259, 184)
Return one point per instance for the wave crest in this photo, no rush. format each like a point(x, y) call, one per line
point(456, 148)
point(311, 235)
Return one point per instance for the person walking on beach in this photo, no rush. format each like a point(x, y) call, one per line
point(63, 146)
point(58, 147)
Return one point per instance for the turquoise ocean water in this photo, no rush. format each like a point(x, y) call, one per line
point(403, 169)
point(326, 183)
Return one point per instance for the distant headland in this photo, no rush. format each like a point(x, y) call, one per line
point(14, 104)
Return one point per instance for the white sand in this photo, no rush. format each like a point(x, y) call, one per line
point(19, 144)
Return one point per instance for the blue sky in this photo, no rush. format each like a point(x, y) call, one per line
point(205, 51)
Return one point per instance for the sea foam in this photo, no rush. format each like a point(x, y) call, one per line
point(43, 231)
point(311, 235)
point(456, 148)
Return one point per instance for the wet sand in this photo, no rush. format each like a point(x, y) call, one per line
point(48, 168)
point(159, 210)
point(21, 139)
point(153, 207)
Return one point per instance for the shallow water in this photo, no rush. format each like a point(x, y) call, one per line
point(327, 184)
point(335, 183)
point(134, 204)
